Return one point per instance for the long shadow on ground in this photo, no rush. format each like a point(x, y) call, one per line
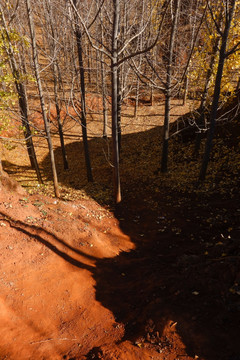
point(169, 279)
point(183, 271)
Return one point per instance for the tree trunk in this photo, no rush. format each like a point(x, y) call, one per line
point(164, 164)
point(136, 98)
point(217, 89)
point(202, 108)
point(78, 35)
point(56, 75)
point(58, 112)
point(114, 80)
point(185, 94)
point(119, 109)
point(42, 102)
point(104, 102)
point(23, 104)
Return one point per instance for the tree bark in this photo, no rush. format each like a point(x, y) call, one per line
point(78, 35)
point(217, 89)
point(202, 120)
point(114, 80)
point(42, 102)
point(23, 103)
point(58, 112)
point(55, 70)
point(104, 102)
point(104, 85)
point(168, 91)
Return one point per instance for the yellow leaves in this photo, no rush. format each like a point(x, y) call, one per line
point(205, 54)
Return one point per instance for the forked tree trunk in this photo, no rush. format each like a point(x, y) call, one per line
point(42, 102)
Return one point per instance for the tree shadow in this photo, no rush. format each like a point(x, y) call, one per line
point(55, 244)
point(168, 281)
point(101, 161)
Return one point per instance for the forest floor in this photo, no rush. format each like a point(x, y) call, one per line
point(157, 277)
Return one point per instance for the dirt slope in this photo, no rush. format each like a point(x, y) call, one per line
point(157, 278)
point(48, 253)
point(79, 282)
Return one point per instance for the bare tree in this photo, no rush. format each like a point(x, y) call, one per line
point(78, 34)
point(54, 46)
point(169, 63)
point(228, 8)
point(21, 92)
point(41, 94)
point(168, 83)
point(119, 50)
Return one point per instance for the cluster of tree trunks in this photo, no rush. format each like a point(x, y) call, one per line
point(138, 43)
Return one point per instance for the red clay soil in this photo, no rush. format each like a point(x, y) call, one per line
point(80, 282)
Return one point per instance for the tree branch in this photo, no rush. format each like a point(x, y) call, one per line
point(149, 47)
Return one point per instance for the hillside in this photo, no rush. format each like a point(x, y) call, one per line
point(155, 278)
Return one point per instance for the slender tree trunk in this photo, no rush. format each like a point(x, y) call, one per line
point(23, 103)
point(104, 102)
point(114, 80)
point(42, 102)
point(138, 84)
point(185, 94)
point(89, 61)
point(164, 164)
point(202, 108)
point(56, 72)
point(58, 112)
point(103, 80)
point(78, 35)
point(136, 98)
point(119, 110)
point(217, 89)
point(22, 99)
point(151, 96)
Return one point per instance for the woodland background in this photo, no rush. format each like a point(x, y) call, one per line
point(70, 63)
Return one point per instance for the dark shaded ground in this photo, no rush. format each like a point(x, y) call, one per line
point(189, 277)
